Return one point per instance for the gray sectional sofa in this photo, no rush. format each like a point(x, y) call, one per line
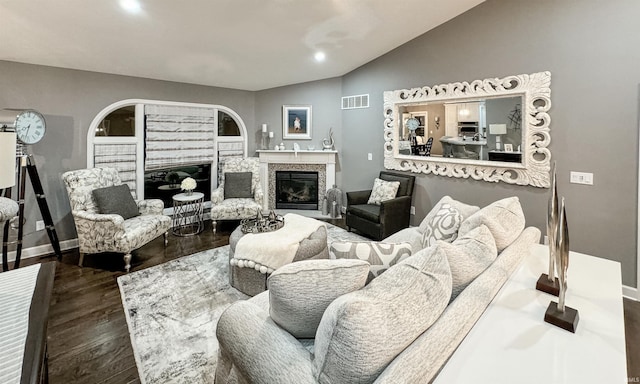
point(401, 327)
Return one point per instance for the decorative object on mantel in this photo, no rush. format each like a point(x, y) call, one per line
point(334, 202)
point(282, 146)
point(548, 282)
point(265, 138)
point(296, 122)
point(262, 223)
point(188, 185)
point(327, 144)
point(325, 205)
point(558, 313)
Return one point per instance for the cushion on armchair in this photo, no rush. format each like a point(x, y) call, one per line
point(383, 190)
point(300, 292)
point(237, 185)
point(117, 200)
point(363, 331)
point(380, 256)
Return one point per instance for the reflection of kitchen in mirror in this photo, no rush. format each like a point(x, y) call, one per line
point(504, 121)
point(420, 130)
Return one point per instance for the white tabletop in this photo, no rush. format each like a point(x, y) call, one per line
point(511, 343)
point(184, 198)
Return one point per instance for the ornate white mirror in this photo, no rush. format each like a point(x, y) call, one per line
point(493, 129)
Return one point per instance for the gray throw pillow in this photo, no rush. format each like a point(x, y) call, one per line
point(443, 226)
point(237, 185)
point(300, 292)
point(504, 218)
point(465, 211)
point(116, 200)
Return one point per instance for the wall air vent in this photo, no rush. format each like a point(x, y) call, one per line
point(354, 102)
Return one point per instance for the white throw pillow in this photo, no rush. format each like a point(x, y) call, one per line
point(504, 218)
point(443, 226)
point(363, 331)
point(468, 256)
point(383, 190)
point(465, 211)
point(380, 256)
point(300, 292)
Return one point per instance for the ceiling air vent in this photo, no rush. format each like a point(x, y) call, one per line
point(357, 101)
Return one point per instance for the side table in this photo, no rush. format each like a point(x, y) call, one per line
point(188, 214)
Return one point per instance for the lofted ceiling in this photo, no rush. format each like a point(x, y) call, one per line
point(241, 44)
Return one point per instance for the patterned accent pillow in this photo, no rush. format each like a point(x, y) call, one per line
point(380, 256)
point(117, 200)
point(383, 190)
point(443, 226)
point(465, 210)
point(300, 292)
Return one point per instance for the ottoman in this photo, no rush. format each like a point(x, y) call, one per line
point(251, 282)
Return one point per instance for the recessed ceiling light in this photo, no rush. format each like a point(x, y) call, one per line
point(319, 56)
point(131, 6)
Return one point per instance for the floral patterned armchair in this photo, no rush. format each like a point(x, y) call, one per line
point(237, 208)
point(110, 232)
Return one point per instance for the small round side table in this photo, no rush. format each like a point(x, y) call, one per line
point(188, 214)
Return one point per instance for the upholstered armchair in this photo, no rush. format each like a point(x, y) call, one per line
point(110, 232)
point(379, 221)
point(239, 195)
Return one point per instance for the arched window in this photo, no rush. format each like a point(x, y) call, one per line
point(151, 141)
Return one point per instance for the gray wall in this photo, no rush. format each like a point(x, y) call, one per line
point(69, 100)
point(590, 47)
point(325, 98)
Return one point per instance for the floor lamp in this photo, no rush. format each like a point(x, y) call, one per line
point(8, 207)
point(498, 129)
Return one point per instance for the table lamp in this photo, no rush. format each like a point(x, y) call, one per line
point(497, 129)
point(7, 159)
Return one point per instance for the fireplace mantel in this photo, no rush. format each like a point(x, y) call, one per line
point(295, 158)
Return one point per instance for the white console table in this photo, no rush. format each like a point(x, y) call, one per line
point(511, 343)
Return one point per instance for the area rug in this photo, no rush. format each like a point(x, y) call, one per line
point(172, 310)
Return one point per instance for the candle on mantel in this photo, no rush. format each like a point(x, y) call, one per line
point(271, 135)
point(264, 128)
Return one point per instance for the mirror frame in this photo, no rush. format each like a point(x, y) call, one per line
point(536, 157)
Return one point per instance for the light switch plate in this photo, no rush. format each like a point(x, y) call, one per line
point(581, 178)
point(369, 156)
point(39, 225)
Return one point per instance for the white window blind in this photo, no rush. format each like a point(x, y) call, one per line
point(177, 136)
point(121, 157)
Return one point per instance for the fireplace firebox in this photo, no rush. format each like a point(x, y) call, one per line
point(296, 190)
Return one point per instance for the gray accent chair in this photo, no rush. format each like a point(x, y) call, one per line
point(98, 233)
point(380, 221)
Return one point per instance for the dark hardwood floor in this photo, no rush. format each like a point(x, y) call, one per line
point(88, 335)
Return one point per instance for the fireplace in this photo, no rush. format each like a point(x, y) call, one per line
point(296, 190)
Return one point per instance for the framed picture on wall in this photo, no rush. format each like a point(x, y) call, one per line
point(296, 122)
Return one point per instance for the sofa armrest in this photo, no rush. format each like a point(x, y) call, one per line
point(150, 207)
point(358, 197)
point(259, 349)
point(110, 219)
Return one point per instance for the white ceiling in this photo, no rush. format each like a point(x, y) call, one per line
point(242, 44)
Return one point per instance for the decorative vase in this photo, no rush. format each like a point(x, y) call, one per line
point(188, 192)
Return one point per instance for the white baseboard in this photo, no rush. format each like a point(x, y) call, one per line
point(630, 293)
point(41, 250)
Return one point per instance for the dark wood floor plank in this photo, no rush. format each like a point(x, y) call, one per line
point(88, 337)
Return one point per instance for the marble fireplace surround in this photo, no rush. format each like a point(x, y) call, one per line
point(323, 162)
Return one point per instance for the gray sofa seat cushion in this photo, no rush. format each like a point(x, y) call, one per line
point(468, 256)
point(300, 292)
point(504, 218)
point(369, 212)
point(117, 200)
point(363, 331)
point(465, 211)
